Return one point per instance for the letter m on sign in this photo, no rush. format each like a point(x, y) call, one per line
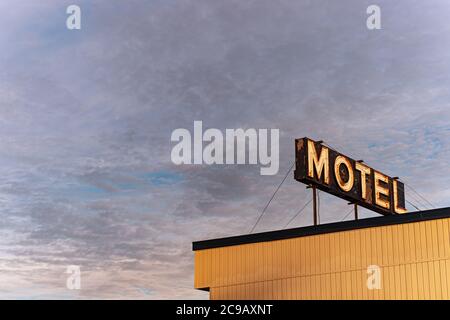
point(311, 162)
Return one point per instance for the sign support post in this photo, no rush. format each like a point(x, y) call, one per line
point(356, 211)
point(314, 204)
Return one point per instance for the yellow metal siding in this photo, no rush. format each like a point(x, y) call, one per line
point(414, 259)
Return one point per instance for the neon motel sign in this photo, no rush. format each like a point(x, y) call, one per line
point(335, 173)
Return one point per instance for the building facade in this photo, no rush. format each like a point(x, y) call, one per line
point(391, 257)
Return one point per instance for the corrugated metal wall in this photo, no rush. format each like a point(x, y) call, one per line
point(414, 259)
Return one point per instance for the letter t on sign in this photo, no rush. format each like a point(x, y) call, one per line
point(381, 190)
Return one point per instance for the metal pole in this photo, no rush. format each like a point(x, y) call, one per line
point(315, 205)
point(356, 211)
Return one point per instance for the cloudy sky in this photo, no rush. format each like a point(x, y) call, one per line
point(86, 117)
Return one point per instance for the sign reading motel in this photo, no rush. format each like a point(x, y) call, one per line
point(335, 173)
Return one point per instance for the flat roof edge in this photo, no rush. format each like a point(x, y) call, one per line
point(416, 216)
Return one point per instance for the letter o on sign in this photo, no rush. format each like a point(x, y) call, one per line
point(344, 185)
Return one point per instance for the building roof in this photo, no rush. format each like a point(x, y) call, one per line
point(416, 216)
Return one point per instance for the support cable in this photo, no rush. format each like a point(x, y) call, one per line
point(413, 205)
point(298, 212)
point(271, 198)
point(422, 197)
point(347, 214)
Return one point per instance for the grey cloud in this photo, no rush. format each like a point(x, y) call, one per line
point(86, 116)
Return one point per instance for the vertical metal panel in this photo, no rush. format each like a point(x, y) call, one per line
point(197, 271)
point(406, 244)
point(446, 235)
point(232, 265)
point(447, 275)
point(414, 259)
point(214, 280)
point(411, 239)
